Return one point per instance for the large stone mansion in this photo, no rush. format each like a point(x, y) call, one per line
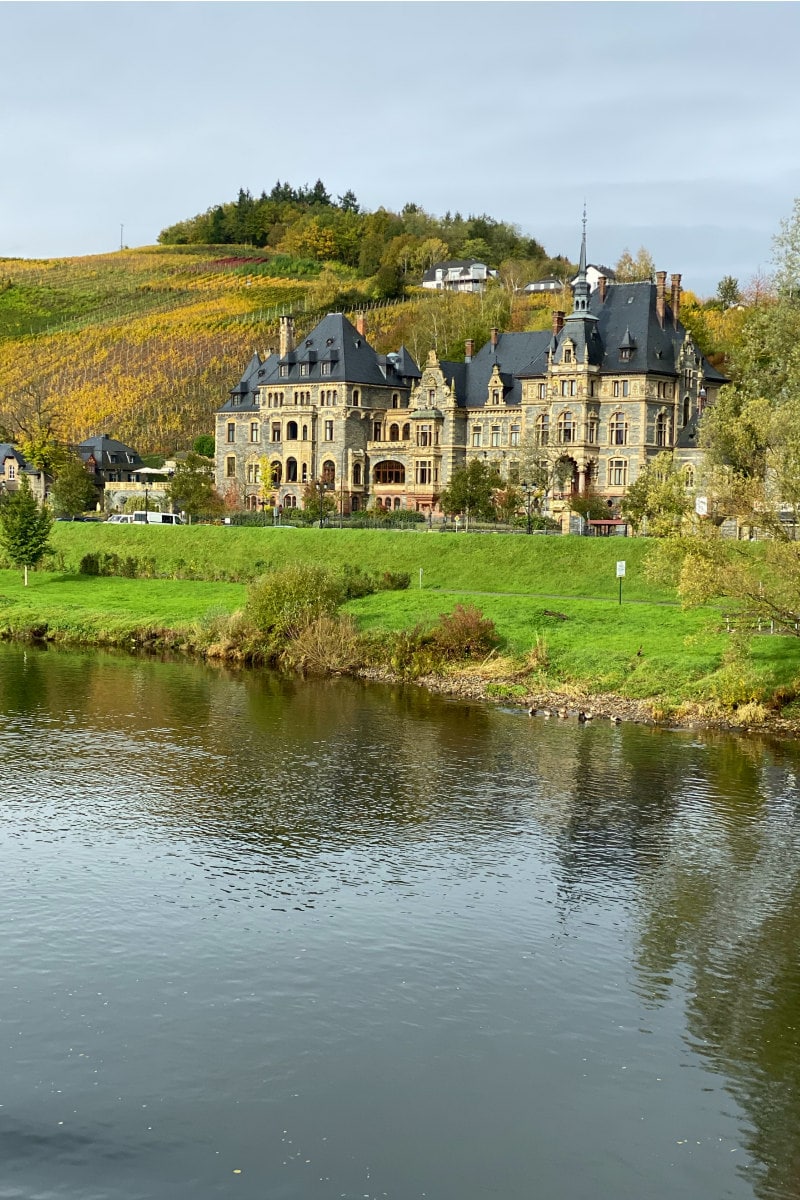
point(612, 384)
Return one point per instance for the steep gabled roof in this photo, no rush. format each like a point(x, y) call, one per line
point(512, 355)
point(630, 312)
point(108, 452)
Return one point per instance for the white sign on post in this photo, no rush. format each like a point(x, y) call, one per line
point(701, 506)
point(621, 570)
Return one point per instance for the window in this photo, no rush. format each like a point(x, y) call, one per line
point(255, 435)
point(335, 396)
point(231, 431)
point(395, 400)
point(513, 472)
point(389, 472)
point(514, 436)
point(406, 432)
point(253, 473)
point(328, 473)
point(291, 470)
point(543, 429)
point(617, 472)
point(283, 370)
point(356, 397)
point(424, 435)
point(394, 433)
point(567, 354)
point(290, 501)
point(431, 396)
point(275, 474)
point(376, 431)
point(423, 473)
point(305, 473)
point(477, 434)
point(495, 435)
point(495, 395)
point(566, 428)
point(325, 368)
point(291, 431)
point(662, 429)
point(230, 468)
point(276, 433)
point(356, 474)
point(618, 429)
point(626, 387)
point(688, 477)
point(303, 368)
point(687, 409)
point(593, 430)
point(616, 389)
point(305, 433)
point(328, 431)
point(542, 391)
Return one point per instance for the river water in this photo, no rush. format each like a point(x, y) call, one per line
point(282, 940)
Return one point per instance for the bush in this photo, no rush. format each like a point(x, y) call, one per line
point(465, 633)
point(330, 645)
point(285, 602)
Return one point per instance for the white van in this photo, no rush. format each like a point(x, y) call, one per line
point(157, 518)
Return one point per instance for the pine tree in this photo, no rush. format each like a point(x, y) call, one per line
point(24, 527)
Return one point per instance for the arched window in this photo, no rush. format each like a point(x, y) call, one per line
point(662, 429)
point(290, 502)
point(394, 433)
point(687, 409)
point(356, 474)
point(291, 431)
point(397, 501)
point(329, 472)
point(618, 429)
point(395, 400)
point(406, 432)
point(566, 428)
point(305, 433)
point(688, 477)
point(542, 429)
point(356, 397)
point(276, 473)
point(389, 472)
point(291, 470)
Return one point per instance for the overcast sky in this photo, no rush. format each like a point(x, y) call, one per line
point(678, 123)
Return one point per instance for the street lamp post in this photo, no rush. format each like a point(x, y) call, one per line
point(528, 493)
point(146, 495)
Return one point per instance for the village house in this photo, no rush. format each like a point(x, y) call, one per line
point(458, 275)
point(13, 466)
point(609, 386)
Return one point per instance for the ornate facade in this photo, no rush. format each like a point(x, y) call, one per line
point(612, 384)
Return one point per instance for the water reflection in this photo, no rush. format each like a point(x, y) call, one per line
point(535, 909)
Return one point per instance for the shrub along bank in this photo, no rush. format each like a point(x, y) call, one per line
point(495, 625)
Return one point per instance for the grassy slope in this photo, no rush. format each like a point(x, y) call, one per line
point(646, 648)
point(491, 563)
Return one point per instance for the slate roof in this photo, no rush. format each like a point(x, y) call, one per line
point(335, 341)
point(9, 451)
point(513, 353)
point(103, 447)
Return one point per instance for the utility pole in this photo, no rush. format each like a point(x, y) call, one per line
point(121, 230)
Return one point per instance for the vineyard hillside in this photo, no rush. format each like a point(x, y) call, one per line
point(144, 344)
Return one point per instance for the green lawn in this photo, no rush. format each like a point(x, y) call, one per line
point(646, 648)
point(562, 566)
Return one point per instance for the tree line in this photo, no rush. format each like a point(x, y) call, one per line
point(394, 247)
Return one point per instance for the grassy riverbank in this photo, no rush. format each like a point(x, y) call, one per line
point(554, 602)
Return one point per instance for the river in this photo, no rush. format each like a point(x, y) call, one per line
point(288, 940)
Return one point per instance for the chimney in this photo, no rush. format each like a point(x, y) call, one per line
point(558, 322)
point(602, 283)
point(361, 324)
point(494, 332)
point(286, 336)
point(675, 280)
point(469, 350)
point(661, 286)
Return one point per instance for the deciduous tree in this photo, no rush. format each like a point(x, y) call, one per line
point(191, 489)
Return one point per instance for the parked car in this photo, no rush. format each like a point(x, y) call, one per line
point(157, 518)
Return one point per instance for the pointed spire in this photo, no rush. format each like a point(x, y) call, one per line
point(580, 291)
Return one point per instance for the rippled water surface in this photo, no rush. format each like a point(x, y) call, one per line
point(307, 940)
